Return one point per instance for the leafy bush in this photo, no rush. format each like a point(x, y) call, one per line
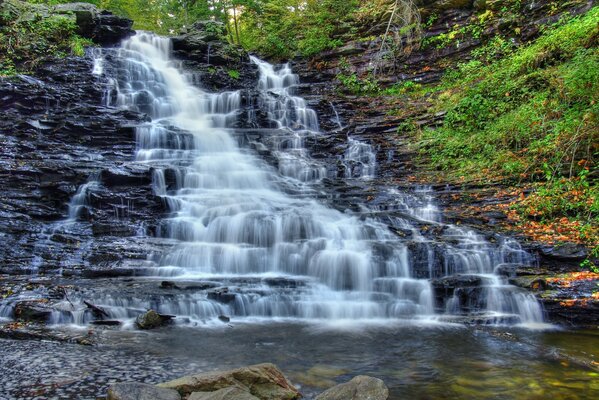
point(24, 43)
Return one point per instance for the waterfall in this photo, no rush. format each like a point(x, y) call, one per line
point(278, 255)
point(263, 248)
point(359, 160)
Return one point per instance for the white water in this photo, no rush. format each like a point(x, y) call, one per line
point(359, 160)
point(279, 255)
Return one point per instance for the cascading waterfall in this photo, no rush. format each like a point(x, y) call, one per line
point(359, 160)
point(265, 249)
point(291, 115)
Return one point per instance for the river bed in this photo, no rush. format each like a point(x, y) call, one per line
point(427, 361)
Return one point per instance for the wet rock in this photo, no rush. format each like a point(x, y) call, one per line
point(230, 393)
point(222, 296)
point(106, 229)
point(32, 310)
point(361, 387)
point(224, 318)
point(151, 319)
point(565, 252)
point(264, 381)
point(168, 285)
point(108, 322)
point(140, 391)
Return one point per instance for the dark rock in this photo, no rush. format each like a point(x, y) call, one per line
point(110, 272)
point(105, 229)
point(151, 319)
point(565, 252)
point(224, 318)
point(222, 296)
point(107, 322)
point(140, 391)
point(101, 26)
point(32, 310)
point(168, 285)
point(264, 381)
point(361, 387)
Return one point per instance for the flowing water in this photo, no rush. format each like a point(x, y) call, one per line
point(257, 234)
point(306, 285)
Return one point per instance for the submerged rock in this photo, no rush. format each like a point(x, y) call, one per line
point(230, 393)
point(140, 391)
point(362, 387)
point(264, 381)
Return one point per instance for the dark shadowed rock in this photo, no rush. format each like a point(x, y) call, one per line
point(101, 26)
point(32, 311)
point(566, 252)
point(264, 381)
point(230, 393)
point(140, 391)
point(361, 387)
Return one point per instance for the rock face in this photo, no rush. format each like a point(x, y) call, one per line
point(140, 391)
point(263, 381)
point(101, 26)
point(361, 387)
point(204, 47)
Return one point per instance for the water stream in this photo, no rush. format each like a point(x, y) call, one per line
point(256, 234)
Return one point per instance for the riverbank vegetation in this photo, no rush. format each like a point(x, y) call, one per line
point(28, 34)
point(530, 116)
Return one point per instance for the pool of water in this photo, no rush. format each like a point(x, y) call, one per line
point(416, 361)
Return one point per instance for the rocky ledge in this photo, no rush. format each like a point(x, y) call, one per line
point(101, 26)
point(255, 382)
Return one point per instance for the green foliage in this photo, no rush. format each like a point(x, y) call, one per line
point(285, 28)
point(402, 88)
point(353, 84)
point(25, 42)
point(233, 73)
point(531, 112)
point(458, 33)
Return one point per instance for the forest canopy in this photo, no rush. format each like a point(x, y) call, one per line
point(273, 28)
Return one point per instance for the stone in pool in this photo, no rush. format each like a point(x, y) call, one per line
point(140, 391)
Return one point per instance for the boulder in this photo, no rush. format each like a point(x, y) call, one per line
point(32, 310)
point(86, 16)
point(230, 393)
point(151, 319)
point(264, 381)
point(140, 391)
point(361, 387)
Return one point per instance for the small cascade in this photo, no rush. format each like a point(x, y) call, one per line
point(81, 197)
point(359, 160)
point(98, 58)
point(337, 119)
point(292, 117)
